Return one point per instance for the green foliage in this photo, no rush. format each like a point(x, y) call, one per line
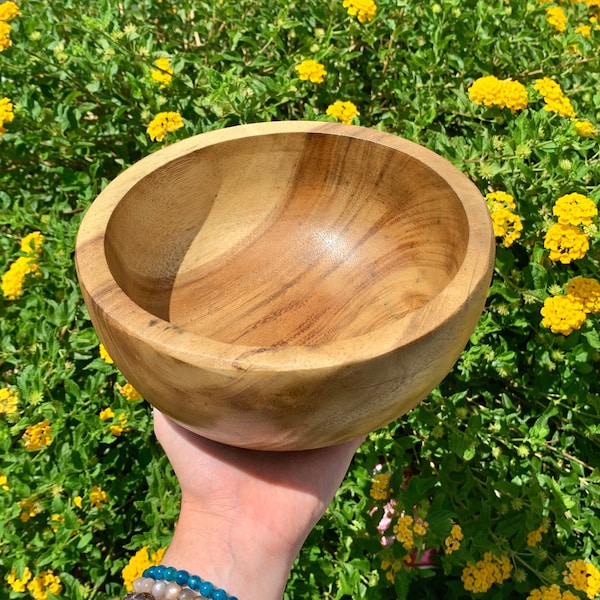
point(508, 443)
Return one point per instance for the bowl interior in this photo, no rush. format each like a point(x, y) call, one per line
point(287, 239)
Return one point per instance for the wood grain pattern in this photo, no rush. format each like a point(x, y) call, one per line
point(286, 285)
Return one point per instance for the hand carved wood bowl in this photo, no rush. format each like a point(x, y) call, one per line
point(288, 285)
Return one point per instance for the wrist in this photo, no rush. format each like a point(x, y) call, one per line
point(230, 553)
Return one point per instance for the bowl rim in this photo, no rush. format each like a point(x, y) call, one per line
point(99, 286)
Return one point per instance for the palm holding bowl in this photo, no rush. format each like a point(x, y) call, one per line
point(286, 285)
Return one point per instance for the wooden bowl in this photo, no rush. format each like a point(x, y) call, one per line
point(286, 285)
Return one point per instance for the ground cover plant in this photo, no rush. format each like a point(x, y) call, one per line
point(491, 487)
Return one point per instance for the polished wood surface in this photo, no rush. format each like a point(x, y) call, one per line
point(286, 285)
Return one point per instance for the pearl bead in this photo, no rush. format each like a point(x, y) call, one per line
point(186, 594)
point(158, 590)
point(143, 584)
point(172, 591)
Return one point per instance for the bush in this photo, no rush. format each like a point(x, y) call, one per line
point(489, 487)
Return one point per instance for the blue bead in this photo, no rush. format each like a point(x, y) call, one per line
point(159, 572)
point(194, 582)
point(149, 572)
point(206, 588)
point(181, 577)
point(219, 594)
point(233, 598)
point(170, 573)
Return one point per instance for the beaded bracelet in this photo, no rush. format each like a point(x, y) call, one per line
point(169, 583)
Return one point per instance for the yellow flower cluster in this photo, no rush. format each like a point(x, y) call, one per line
point(380, 488)
point(365, 10)
point(98, 497)
point(116, 428)
point(14, 278)
point(535, 537)
point(37, 436)
point(39, 587)
point(551, 593)
point(163, 73)
point(501, 93)
point(6, 108)
point(29, 509)
point(583, 576)
point(586, 291)
point(8, 10)
point(565, 239)
point(163, 123)
point(555, 16)
point(562, 314)
point(311, 70)
point(554, 98)
point(480, 577)
point(391, 566)
point(452, 542)
point(585, 128)
point(104, 355)
point(507, 224)
point(575, 209)
point(406, 528)
point(8, 401)
point(344, 111)
point(138, 563)
point(129, 392)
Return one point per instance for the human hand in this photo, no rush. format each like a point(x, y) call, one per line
point(246, 513)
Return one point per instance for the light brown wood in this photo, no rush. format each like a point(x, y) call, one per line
point(286, 285)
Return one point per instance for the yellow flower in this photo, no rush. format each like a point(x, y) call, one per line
point(32, 243)
point(98, 497)
point(481, 576)
point(56, 519)
point(44, 583)
point(163, 74)
point(163, 123)
point(554, 97)
point(6, 107)
point(406, 528)
point(551, 593)
point(37, 436)
point(380, 487)
point(575, 209)
point(583, 576)
point(5, 42)
point(8, 401)
point(584, 30)
point(104, 355)
point(566, 243)
point(8, 10)
point(106, 414)
point(586, 291)
point(585, 128)
point(453, 541)
point(78, 501)
point(562, 314)
point(18, 584)
point(311, 70)
point(4, 482)
point(138, 563)
point(129, 392)
point(118, 428)
point(365, 10)
point(343, 111)
point(555, 16)
point(29, 509)
point(491, 91)
point(507, 225)
point(535, 537)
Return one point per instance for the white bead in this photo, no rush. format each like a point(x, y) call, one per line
point(143, 584)
point(159, 589)
point(172, 591)
point(186, 594)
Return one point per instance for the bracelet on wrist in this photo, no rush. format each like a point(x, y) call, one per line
point(169, 583)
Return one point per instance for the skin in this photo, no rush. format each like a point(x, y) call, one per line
point(245, 513)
